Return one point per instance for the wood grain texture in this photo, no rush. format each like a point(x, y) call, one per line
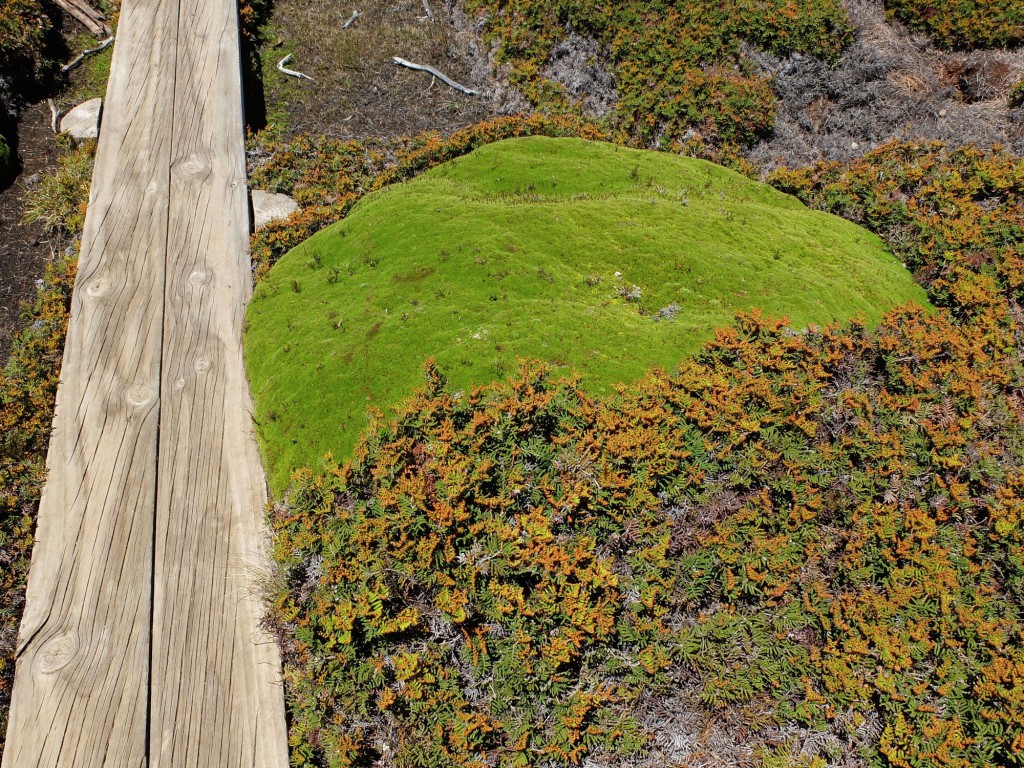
point(217, 696)
point(81, 683)
point(141, 643)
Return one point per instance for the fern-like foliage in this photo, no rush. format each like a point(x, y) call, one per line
point(821, 529)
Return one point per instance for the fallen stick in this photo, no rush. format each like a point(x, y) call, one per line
point(88, 16)
point(351, 20)
point(54, 116)
point(89, 10)
point(443, 78)
point(426, 7)
point(291, 72)
point(104, 44)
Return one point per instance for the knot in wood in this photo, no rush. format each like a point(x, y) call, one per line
point(97, 287)
point(138, 395)
point(57, 652)
point(194, 166)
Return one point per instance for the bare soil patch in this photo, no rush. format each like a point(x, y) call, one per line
point(358, 90)
point(24, 248)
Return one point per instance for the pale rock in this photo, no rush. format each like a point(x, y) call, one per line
point(83, 122)
point(271, 206)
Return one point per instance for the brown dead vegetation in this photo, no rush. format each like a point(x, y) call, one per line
point(891, 84)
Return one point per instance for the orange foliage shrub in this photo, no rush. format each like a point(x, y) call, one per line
point(831, 520)
point(28, 386)
point(839, 498)
point(964, 23)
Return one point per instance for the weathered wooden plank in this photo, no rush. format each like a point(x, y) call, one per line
point(217, 697)
point(80, 693)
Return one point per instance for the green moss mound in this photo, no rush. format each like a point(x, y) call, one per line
point(590, 256)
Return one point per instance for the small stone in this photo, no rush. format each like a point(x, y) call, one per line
point(271, 206)
point(83, 122)
point(942, 113)
point(32, 180)
point(854, 145)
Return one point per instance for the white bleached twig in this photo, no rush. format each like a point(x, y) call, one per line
point(54, 116)
point(426, 7)
point(351, 20)
point(443, 78)
point(291, 72)
point(104, 44)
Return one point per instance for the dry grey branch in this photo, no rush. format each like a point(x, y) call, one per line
point(351, 20)
point(443, 78)
point(104, 44)
point(88, 17)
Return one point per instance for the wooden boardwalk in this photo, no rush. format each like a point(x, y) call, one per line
point(140, 643)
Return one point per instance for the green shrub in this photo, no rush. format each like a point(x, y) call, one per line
point(498, 576)
point(1015, 99)
point(954, 216)
point(964, 23)
point(679, 66)
point(23, 28)
point(828, 521)
point(28, 386)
